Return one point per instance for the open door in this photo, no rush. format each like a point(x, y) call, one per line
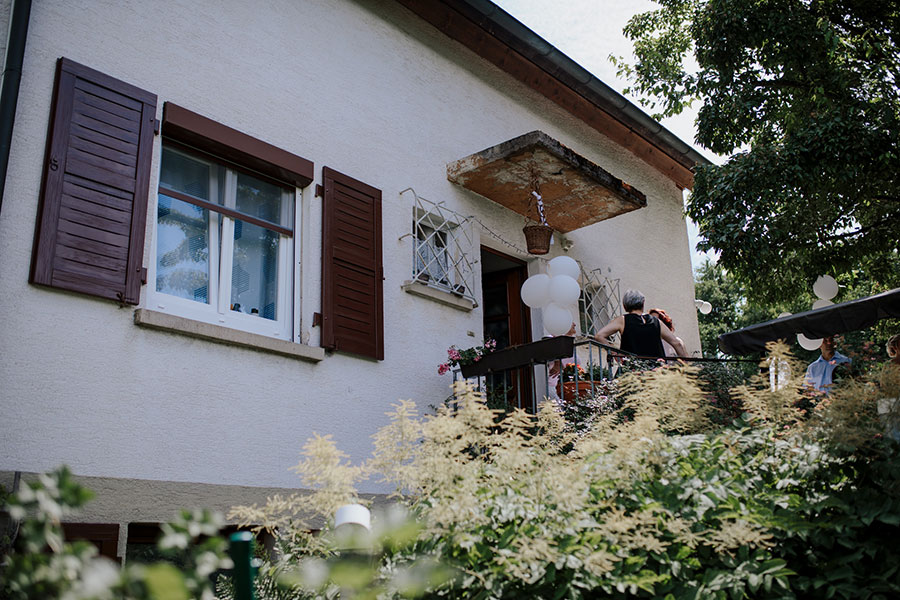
point(507, 320)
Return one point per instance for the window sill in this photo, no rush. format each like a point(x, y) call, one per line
point(233, 337)
point(418, 288)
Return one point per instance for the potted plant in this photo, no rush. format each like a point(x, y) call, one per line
point(465, 357)
point(575, 380)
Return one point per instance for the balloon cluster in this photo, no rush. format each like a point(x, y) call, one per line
point(825, 288)
point(554, 292)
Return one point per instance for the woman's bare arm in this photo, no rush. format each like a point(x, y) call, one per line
point(673, 341)
point(617, 325)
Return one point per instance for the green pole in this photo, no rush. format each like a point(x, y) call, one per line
point(241, 550)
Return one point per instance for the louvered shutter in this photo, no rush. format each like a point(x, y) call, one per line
point(90, 232)
point(352, 288)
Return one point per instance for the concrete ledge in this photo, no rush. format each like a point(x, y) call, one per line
point(417, 288)
point(233, 337)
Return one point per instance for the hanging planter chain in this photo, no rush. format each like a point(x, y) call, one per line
point(537, 237)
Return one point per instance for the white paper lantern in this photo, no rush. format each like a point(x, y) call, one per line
point(821, 303)
point(825, 287)
point(807, 343)
point(564, 290)
point(536, 291)
point(564, 265)
point(557, 319)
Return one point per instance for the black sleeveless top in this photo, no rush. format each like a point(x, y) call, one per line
point(641, 336)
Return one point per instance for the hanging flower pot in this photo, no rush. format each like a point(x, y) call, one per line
point(537, 238)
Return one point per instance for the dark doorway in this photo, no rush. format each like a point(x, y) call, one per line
point(507, 320)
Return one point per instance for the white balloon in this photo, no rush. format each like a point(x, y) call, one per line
point(822, 303)
point(706, 308)
point(536, 291)
point(564, 265)
point(825, 287)
point(807, 343)
point(564, 290)
point(557, 319)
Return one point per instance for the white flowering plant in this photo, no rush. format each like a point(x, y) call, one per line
point(42, 564)
point(653, 500)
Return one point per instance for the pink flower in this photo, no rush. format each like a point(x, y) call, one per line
point(477, 358)
point(453, 353)
point(443, 368)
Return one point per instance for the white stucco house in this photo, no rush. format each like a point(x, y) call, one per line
point(228, 225)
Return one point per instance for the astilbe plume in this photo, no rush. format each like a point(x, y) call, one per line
point(522, 505)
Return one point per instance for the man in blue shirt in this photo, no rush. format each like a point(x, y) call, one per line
point(819, 373)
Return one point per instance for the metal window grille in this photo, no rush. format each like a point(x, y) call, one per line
point(599, 302)
point(443, 247)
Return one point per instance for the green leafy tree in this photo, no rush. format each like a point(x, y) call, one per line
point(803, 96)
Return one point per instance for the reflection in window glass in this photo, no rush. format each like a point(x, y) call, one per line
point(191, 176)
point(182, 249)
point(259, 199)
point(254, 274)
point(431, 254)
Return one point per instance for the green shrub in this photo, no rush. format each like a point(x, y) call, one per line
point(42, 565)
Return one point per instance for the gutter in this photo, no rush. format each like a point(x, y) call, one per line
point(12, 75)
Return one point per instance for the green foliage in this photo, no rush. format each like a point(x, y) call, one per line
point(44, 565)
point(661, 504)
point(803, 96)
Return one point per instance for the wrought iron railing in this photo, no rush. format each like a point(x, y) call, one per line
point(527, 368)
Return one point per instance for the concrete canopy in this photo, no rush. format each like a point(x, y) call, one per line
point(575, 191)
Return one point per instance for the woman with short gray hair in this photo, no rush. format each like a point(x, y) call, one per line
point(641, 334)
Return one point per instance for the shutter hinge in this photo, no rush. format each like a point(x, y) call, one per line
point(319, 191)
point(155, 126)
point(317, 319)
point(143, 275)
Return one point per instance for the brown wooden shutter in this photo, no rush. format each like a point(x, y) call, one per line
point(352, 274)
point(93, 208)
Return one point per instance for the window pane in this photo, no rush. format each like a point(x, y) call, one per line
point(260, 199)
point(254, 272)
point(182, 249)
point(431, 253)
point(191, 176)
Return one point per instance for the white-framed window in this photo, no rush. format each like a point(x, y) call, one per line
point(442, 248)
point(223, 245)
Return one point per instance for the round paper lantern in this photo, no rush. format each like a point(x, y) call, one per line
point(825, 287)
point(807, 343)
point(564, 265)
point(536, 291)
point(821, 303)
point(557, 319)
point(564, 290)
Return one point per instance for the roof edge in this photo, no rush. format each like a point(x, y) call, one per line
point(586, 83)
point(516, 37)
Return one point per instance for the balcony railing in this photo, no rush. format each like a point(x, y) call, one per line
point(525, 369)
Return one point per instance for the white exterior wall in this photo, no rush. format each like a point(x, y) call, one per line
point(365, 88)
